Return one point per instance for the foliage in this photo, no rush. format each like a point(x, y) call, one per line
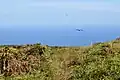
point(42, 62)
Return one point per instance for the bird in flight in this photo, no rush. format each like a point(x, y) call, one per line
point(79, 29)
point(66, 14)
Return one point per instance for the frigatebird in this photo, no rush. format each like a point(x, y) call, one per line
point(79, 29)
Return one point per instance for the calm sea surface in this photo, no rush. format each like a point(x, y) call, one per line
point(64, 36)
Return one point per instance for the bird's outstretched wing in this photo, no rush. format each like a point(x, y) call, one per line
point(79, 29)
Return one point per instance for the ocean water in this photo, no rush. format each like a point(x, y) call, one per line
point(59, 36)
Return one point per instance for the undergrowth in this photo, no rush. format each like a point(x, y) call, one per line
point(100, 61)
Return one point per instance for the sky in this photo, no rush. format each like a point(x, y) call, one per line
point(53, 12)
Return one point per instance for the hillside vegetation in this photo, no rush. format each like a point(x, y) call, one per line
point(100, 61)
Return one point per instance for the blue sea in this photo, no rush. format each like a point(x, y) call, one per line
point(59, 36)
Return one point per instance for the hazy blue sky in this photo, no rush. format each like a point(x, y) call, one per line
point(52, 12)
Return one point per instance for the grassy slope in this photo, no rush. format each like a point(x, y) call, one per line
point(36, 62)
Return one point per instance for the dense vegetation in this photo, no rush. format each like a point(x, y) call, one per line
point(100, 61)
